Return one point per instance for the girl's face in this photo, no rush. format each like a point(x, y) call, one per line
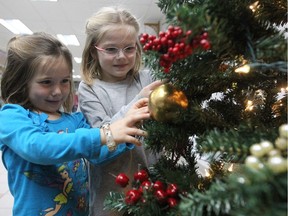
point(116, 66)
point(50, 86)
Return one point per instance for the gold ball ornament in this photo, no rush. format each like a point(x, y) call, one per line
point(166, 103)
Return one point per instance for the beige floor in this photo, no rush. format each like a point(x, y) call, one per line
point(6, 199)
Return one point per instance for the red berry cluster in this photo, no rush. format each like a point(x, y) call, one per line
point(164, 194)
point(174, 45)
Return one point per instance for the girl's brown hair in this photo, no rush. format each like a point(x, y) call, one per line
point(25, 55)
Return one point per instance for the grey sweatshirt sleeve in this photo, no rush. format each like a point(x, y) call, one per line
point(92, 106)
point(96, 105)
point(97, 101)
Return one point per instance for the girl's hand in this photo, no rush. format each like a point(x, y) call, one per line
point(145, 92)
point(125, 130)
point(141, 106)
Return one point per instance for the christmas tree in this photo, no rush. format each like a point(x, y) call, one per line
point(225, 102)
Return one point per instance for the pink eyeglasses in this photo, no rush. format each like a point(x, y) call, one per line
point(114, 51)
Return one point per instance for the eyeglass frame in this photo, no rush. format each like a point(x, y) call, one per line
point(118, 50)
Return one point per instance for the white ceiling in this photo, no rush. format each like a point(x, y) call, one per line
point(69, 17)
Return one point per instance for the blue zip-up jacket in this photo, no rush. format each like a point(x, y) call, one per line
point(46, 160)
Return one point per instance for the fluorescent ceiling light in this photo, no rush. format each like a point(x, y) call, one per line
point(76, 76)
point(78, 60)
point(15, 26)
point(68, 40)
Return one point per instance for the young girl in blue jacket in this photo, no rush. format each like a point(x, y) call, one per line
point(45, 146)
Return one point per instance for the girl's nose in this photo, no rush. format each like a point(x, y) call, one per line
point(120, 53)
point(56, 90)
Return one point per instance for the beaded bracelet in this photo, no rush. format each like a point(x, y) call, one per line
point(109, 138)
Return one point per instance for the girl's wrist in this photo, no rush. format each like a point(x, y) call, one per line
point(108, 137)
point(102, 136)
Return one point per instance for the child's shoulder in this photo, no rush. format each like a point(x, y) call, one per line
point(12, 108)
point(13, 113)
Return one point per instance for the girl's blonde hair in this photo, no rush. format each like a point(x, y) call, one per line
point(96, 26)
point(25, 55)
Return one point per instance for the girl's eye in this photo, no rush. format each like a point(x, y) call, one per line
point(66, 81)
point(45, 82)
point(129, 49)
point(111, 50)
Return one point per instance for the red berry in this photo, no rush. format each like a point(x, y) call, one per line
point(189, 32)
point(156, 41)
point(170, 43)
point(182, 45)
point(205, 44)
point(146, 185)
point(145, 47)
point(161, 196)
point(132, 196)
point(172, 190)
point(180, 31)
point(141, 176)
point(161, 34)
point(151, 37)
point(204, 35)
point(145, 36)
point(122, 180)
point(166, 69)
point(165, 57)
point(158, 185)
point(171, 28)
point(175, 50)
point(172, 202)
point(158, 47)
point(174, 34)
point(142, 40)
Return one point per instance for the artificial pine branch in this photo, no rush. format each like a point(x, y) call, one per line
point(228, 110)
point(244, 193)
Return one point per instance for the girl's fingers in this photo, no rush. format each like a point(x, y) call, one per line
point(139, 106)
point(143, 110)
point(140, 103)
point(135, 141)
point(134, 137)
point(155, 84)
point(139, 111)
point(137, 117)
point(141, 133)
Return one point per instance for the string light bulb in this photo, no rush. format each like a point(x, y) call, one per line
point(207, 174)
point(254, 6)
point(243, 69)
point(230, 168)
point(249, 106)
